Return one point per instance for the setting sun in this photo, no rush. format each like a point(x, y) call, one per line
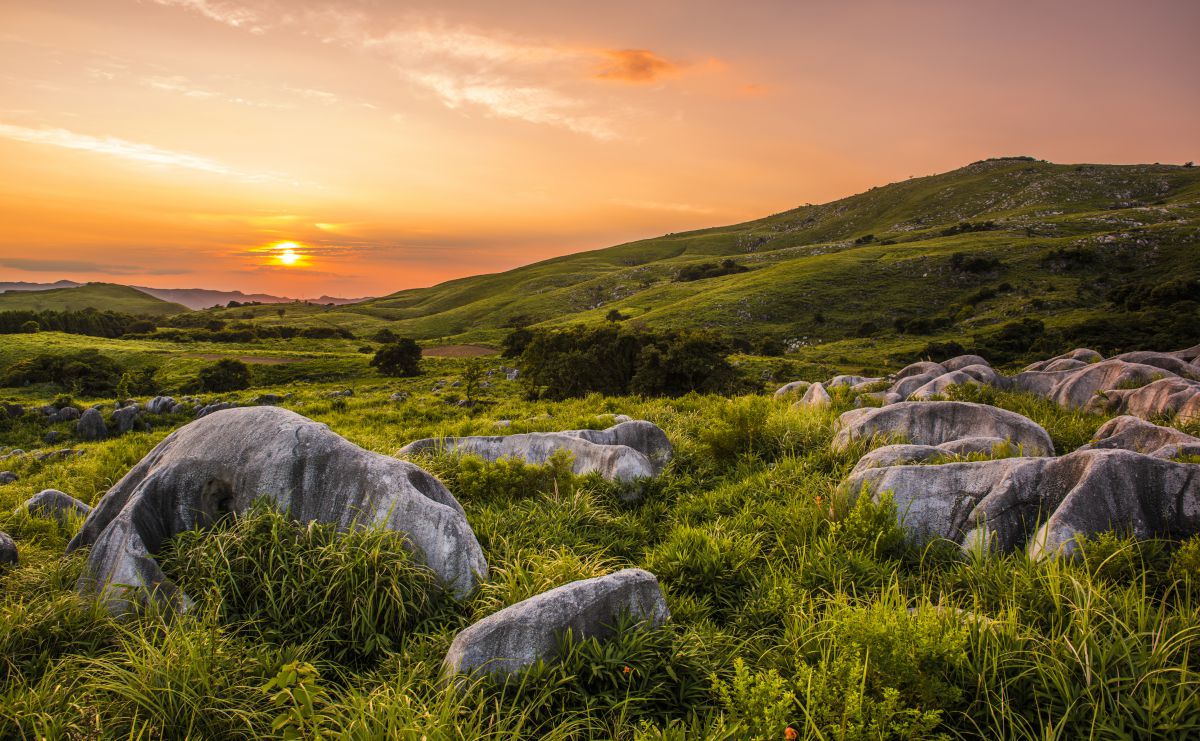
point(287, 254)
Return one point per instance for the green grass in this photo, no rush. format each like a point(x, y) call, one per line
point(791, 605)
point(102, 296)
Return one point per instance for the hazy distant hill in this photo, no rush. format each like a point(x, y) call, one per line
point(104, 296)
point(192, 298)
point(1032, 238)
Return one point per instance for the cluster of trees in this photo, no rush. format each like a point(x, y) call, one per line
point(91, 322)
point(84, 372)
point(966, 227)
point(615, 360)
point(215, 330)
point(964, 263)
point(1138, 296)
point(709, 270)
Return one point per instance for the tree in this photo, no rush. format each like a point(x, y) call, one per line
point(472, 375)
point(399, 358)
point(227, 374)
point(614, 315)
point(281, 311)
point(30, 327)
point(385, 336)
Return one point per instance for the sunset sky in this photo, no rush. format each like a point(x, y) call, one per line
point(180, 143)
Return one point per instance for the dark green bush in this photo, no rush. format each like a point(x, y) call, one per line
point(227, 374)
point(400, 358)
point(85, 372)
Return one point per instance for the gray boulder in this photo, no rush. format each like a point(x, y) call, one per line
point(519, 636)
point(66, 414)
point(882, 397)
point(217, 406)
point(224, 462)
point(1040, 503)
point(795, 387)
point(1076, 388)
point(904, 454)
point(8, 477)
point(52, 436)
point(815, 396)
point(920, 368)
point(938, 386)
point(8, 551)
point(1192, 354)
point(56, 505)
point(619, 463)
point(906, 386)
point(1166, 361)
point(126, 418)
point(1131, 433)
point(160, 405)
point(963, 361)
point(1081, 355)
point(645, 437)
point(91, 426)
point(850, 381)
point(937, 422)
point(1166, 397)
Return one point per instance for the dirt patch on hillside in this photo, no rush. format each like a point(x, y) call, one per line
point(458, 351)
point(252, 359)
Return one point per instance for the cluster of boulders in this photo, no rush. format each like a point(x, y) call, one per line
point(223, 462)
point(629, 452)
point(1144, 384)
point(988, 479)
point(48, 503)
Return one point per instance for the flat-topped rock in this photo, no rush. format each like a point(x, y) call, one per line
point(56, 505)
point(937, 422)
point(226, 461)
point(519, 636)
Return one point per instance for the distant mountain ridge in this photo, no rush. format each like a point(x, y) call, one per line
point(192, 298)
point(103, 296)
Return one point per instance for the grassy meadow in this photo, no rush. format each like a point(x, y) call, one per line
point(799, 610)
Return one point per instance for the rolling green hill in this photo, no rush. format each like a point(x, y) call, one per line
point(1035, 238)
point(103, 296)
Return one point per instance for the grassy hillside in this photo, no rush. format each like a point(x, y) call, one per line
point(1061, 236)
point(103, 296)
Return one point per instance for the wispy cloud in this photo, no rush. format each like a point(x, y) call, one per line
point(229, 13)
point(501, 99)
point(180, 85)
point(635, 65)
point(124, 149)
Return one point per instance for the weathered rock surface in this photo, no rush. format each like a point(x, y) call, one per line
point(1076, 388)
point(126, 418)
point(815, 396)
point(224, 462)
point(619, 463)
point(91, 426)
point(1131, 433)
point(645, 437)
point(1080, 355)
point(937, 386)
point(160, 405)
point(904, 454)
point(906, 386)
point(1041, 503)
point(56, 505)
point(920, 368)
point(520, 635)
point(8, 551)
point(8, 477)
point(963, 361)
point(838, 381)
point(937, 422)
point(1166, 361)
point(1166, 397)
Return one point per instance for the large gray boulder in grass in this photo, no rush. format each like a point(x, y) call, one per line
point(1131, 433)
point(619, 463)
point(56, 505)
point(962, 361)
point(903, 454)
point(8, 551)
point(937, 422)
point(920, 368)
point(1079, 354)
point(850, 381)
point(91, 425)
point(909, 384)
point(645, 437)
point(815, 396)
point(519, 636)
point(1166, 397)
point(938, 386)
point(795, 387)
point(224, 462)
point(1076, 388)
point(1041, 504)
point(1166, 361)
point(1191, 354)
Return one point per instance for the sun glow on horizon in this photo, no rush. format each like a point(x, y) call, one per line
point(286, 253)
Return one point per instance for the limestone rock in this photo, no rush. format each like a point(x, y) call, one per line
point(619, 463)
point(8, 551)
point(91, 426)
point(921, 368)
point(937, 422)
point(519, 636)
point(1131, 433)
point(1166, 397)
point(225, 461)
point(963, 361)
point(938, 386)
point(160, 405)
point(815, 396)
point(56, 505)
point(795, 387)
point(126, 418)
point(645, 437)
point(8, 477)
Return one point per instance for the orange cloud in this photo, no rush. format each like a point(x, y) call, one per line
point(635, 65)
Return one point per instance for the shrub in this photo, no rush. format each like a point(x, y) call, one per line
point(227, 374)
point(352, 594)
point(709, 270)
point(400, 358)
point(85, 372)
